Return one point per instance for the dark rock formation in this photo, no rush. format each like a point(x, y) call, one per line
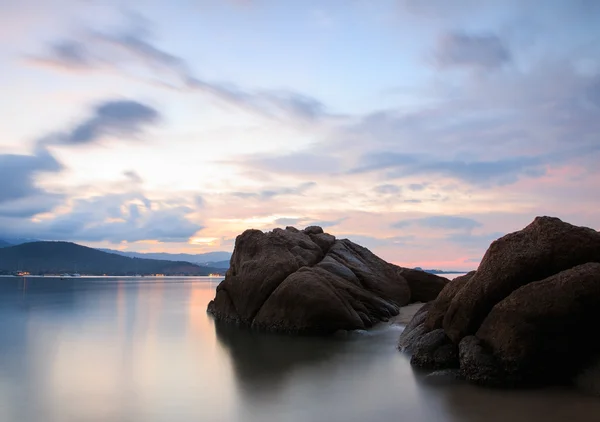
point(424, 286)
point(526, 316)
point(478, 365)
point(414, 330)
point(549, 321)
point(435, 317)
point(310, 282)
point(543, 248)
point(434, 350)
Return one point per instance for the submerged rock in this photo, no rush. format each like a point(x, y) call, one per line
point(526, 316)
point(307, 281)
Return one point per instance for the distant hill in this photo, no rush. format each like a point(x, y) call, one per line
point(439, 271)
point(217, 264)
point(16, 240)
point(66, 257)
point(4, 243)
point(208, 258)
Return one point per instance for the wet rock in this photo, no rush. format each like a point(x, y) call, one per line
point(414, 330)
point(545, 330)
point(526, 317)
point(434, 350)
point(424, 286)
point(543, 248)
point(438, 309)
point(307, 281)
point(478, 365)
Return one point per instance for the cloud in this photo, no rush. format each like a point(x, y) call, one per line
point(133, 176)
point(67, 54)
point(481, 51)
point(474, 241)
point(441, 222)
point(114, 218)
point(20, 195)
point(417, 187)
point(438, 8)
point(286, 221)
point(116, 50)
point(372, 242)
point(298, 163)
point(388, 189)
point(271, 193)
point(499, 172)
point(18, 174)
point(122, 118)
point(327, 223)
point(307, 221)
point(199, 201)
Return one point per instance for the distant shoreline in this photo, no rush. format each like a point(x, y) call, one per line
point(111, 276)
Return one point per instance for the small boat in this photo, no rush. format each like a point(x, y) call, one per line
point(75, 275)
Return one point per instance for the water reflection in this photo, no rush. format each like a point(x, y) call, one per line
point(263, 361)
point(123, 350)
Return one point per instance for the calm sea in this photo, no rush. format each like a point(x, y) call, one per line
point(129, 350)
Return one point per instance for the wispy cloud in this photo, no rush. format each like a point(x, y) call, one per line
point(113, 218)
point(500, 172)
point(307, 221)
point(98, 50)
point(480, 51)
point(20, 195)
point(267, 194)
point(443, 222)
point(117, 118)
point(388, 189)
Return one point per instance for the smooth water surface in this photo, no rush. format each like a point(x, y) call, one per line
point(125, 350)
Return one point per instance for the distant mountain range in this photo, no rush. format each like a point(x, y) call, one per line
point(440, 271)
point(66, 257)
point(10, 241)
point(211, 259)
point(146, 262)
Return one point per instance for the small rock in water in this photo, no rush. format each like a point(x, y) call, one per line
point(444, 376)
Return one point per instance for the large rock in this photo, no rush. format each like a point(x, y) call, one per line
point(424, 286)
point(543, 248)
point(547, 330)
point(435, 317)
point(307, 281)
point(528, 315)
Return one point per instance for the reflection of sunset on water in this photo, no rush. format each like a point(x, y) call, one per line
point(199, 322)
point(147, 351)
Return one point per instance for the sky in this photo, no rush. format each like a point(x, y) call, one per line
point(422, 130)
